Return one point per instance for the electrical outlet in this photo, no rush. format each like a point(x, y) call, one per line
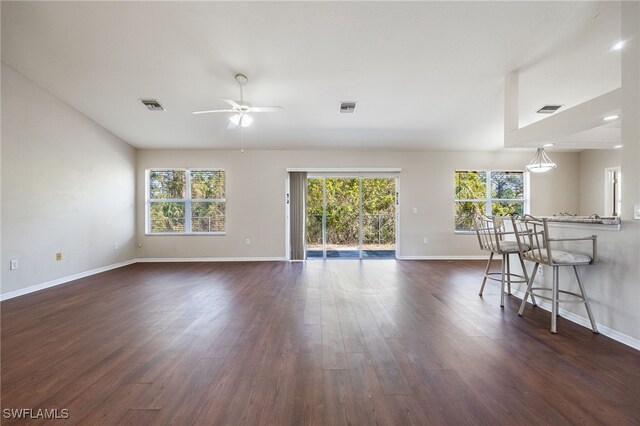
point(116, 246)
point(425, 240)
point(13, 264)
point(541, 271)
point(247, 241)
point(58, 256)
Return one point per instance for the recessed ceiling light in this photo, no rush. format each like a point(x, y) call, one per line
point(618, 146)
point(611, 117)
point(619, 45)
point(547, 145)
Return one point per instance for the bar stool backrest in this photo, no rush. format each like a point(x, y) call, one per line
point(489, 231)
point(532, 235)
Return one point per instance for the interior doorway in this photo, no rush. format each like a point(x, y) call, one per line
point(351, 217)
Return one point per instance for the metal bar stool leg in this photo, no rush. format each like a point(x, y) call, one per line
point(528, 290)
point(558, 291)
point(504, 265)
point(508, 273)
point(486, 273)
point(526, 277)
point(554, 301)
point(586, 301)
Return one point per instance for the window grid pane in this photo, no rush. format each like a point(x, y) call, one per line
point(167, 217)
point(507, 185)
point(167, 184)
point(470, 185)
point(465, 212)
point(207, 184)
point(207, 217)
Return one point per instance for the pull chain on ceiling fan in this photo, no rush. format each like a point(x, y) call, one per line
point(242, 110)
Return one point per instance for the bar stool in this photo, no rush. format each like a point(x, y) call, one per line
point(534, 244)
point(491, 232)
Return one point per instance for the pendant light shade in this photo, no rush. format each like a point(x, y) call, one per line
point(541, 162)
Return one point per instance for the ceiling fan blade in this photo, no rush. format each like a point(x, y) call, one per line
point(212, 110)
point(230, 102)
point(267, 109)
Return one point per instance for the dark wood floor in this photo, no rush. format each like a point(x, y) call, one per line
point(336, 342)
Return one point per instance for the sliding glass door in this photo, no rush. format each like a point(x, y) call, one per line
point(342, 217)
point(315, 222)
point(378, 217)
point(351, 217)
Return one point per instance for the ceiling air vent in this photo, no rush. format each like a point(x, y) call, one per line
point(347, 107)
point(549, 109)
point(152, 104)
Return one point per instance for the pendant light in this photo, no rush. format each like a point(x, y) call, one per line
point(541, 163)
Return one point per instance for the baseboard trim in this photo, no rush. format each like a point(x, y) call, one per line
point(63, 280)
point(584, 321)
point(464, 257)
point(210, 259)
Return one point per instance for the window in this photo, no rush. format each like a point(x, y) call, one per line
point(497, 193)
point(183, 201)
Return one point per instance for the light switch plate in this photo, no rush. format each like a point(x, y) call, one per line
point(636, 211)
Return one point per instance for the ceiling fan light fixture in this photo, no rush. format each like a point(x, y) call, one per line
point(246, 120)
point(241, 108)
point(243, 120)
point(541, 162)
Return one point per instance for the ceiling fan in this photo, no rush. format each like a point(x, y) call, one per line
point(241, 108)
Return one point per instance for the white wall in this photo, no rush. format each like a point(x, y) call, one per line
point(256, 197)
point(593, 163)
point(67, 186)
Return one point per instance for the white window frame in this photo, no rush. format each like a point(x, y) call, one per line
point(187, 200)
point(488, 200)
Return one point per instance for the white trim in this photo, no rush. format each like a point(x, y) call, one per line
point(63, 280)
point(446, 257)
point(287, 217)
point(345, 169)
point(211, 259)
point(397, 217)
point(579, 319)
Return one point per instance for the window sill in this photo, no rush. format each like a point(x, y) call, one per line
point(464, 232)
point(182, 234)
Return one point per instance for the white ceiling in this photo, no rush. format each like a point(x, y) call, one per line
point(427, 75)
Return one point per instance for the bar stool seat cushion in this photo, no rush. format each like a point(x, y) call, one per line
point(561, 257)
point(510, 247)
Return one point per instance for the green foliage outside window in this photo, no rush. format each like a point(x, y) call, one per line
point(342, 211)
point(173, 209)
point(505, 197)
